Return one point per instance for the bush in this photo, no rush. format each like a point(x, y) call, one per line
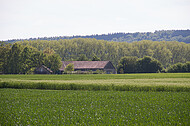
point(135, 65)
point(179, 68)
point(127, 64)
point(69, 68)
point(148, 65)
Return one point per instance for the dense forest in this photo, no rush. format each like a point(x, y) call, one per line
point(162, 35)
point(15, 58)
point(70, 49)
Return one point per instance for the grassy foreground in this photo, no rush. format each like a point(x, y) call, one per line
point(56, 107)
point(131, 99)
point(121, 82)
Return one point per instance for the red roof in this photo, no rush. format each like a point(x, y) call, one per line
point(85, 64)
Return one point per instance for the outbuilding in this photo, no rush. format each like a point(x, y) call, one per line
point(43, 70)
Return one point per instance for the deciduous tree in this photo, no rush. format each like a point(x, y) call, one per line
point(127, 64)
point(69, 68)
point(148, 65)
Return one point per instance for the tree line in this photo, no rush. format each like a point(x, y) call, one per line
point(38, 52)
point(167, 53)
point(162, 35)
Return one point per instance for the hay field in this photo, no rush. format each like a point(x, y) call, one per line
point(121, 82)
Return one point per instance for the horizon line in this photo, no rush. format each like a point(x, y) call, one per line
point(88, 34)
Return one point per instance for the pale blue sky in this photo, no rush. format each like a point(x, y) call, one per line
point(48, 18)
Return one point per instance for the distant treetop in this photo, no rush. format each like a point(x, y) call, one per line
point(161, 35)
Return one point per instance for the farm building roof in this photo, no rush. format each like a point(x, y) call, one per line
point(46, 68)
point(85, 64)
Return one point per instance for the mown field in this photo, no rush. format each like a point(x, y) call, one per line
point(125, 82)
point(131, 99)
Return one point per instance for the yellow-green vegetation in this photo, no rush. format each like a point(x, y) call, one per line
point(62, 107)
point(71, 49)
point(121, 82)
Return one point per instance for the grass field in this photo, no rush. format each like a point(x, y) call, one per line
point(131, 99)
point(121, 82)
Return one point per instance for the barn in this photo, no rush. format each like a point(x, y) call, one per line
point(106, 66)
point(43, 70)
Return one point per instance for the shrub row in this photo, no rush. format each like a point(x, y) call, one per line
point(179, 68)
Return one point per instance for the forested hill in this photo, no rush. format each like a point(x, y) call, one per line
point(163, 35)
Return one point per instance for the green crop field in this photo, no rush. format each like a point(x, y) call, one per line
point(130, 99)
point(57, 107)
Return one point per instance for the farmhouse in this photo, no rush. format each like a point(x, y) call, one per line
point(43, 70)
point(106, 66)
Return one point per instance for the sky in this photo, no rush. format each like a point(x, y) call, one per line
point(22, 19)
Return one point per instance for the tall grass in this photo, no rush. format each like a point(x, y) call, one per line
point(140, 82)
